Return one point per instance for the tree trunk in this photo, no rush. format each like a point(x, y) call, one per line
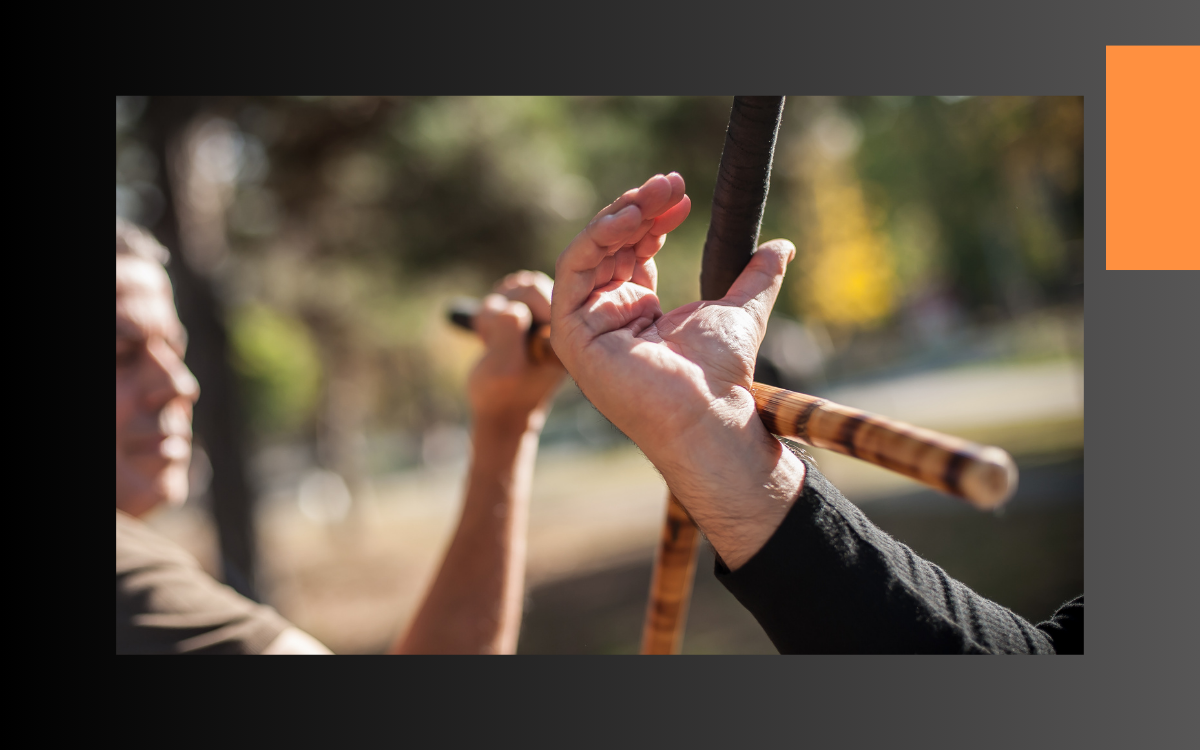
point(194, 233)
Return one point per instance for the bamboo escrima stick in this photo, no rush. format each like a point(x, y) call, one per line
point(739, 198)
point(985, 476)
point(671, 586)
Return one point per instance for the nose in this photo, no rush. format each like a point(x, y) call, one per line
point(169, 377)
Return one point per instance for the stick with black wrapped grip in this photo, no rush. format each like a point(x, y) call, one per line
point(738, 201)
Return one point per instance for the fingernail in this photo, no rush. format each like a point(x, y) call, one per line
point(787, 245)
point(627, 211)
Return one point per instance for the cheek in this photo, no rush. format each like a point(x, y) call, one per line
point(144, 483)
point(126, 402)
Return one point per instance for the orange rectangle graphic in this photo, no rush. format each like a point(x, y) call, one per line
point(1152, 153)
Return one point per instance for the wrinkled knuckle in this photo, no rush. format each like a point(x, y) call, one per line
point(773, 262)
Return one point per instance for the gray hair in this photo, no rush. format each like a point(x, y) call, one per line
point(137, 241)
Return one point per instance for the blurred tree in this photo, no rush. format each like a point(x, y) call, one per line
point(279, 365)
point(1000, 177)
point(846, 271)
point(357, 216)
point(327, 233)
point(179, 132)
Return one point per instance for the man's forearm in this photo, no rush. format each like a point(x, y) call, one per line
point(474, 603)
point(830, 581)
point(735, 479)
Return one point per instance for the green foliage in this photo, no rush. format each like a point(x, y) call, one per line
point(353, 219)
point(278, 363)
point(992, 184)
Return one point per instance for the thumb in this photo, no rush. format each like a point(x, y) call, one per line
point(758, 285)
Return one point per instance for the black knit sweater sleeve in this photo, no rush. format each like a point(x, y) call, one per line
point(829, 581)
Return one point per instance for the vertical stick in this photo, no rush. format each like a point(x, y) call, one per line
point(671, 587)
point(741, 192)
point(738, 200)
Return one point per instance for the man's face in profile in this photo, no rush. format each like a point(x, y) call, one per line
point(155, 391)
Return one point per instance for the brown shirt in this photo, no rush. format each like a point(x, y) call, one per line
point(167, 604)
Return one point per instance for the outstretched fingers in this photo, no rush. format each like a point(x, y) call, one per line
point(624, 223)
point(656, 234)
point(669, 220)
point(756, 289)
point(654, 197)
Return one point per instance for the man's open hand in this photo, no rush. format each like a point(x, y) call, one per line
point(677, 383)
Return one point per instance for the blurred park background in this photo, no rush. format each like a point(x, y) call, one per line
point(317, 241)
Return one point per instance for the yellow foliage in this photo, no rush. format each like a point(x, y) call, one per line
point(851, 277)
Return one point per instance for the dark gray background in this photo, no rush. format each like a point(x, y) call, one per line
point(1128, 690)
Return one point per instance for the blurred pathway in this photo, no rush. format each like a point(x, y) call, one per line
point(355, 586)
point(973, 397)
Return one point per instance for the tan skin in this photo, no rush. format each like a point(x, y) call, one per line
point(677, 383)
point(155, 392)
point(474, 604)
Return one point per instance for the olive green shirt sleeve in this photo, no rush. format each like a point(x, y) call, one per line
point(167, 604)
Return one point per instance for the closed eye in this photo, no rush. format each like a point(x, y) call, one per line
point(128, 351)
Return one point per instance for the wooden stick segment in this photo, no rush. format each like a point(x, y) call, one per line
point(740, 195)
point(671, 586)
point(985, 476)
point(538, 346)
